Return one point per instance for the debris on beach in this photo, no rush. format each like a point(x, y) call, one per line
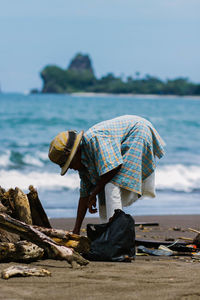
point(23, 217)
point(176, 228)
point(177, 247)
point(155, 252)
point(24, 271)
point(141, 224)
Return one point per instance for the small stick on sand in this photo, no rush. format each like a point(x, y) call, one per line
point(194, 230)
point(185, 238)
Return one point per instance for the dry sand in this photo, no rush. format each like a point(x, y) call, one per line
point(147, 277)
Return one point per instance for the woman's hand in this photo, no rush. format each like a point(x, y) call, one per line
point(92, 204)
point(76, 231)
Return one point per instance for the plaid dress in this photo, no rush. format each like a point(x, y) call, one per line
point(130, 141)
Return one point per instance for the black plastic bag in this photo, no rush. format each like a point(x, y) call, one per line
point(112, 241)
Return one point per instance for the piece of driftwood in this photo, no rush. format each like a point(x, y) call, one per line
point(146, 224)
point(3, 209)
point(20, 251)
point(6, 198)
point(185, 238)
point(79, 243)
point(24, 271)
point(22, 207)
point(53, 249)
point(194, 230)
point(7, 237)
point(38, 214)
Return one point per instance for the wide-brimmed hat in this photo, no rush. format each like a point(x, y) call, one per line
point(63, 148)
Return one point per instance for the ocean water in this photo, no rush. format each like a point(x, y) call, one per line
point(29, 122)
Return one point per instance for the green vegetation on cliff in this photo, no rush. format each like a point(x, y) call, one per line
point(79, 77)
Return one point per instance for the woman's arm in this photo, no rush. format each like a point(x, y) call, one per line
point(104, 179)
point(81, 211)
point(90, 201)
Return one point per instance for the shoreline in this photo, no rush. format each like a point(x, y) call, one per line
point(146, 96)
point(108, 95)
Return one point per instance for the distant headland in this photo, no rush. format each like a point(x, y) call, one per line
point(80, 77)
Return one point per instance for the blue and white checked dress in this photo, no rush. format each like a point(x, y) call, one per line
point(130, 141)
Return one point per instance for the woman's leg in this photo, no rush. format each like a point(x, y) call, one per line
point(112, 199)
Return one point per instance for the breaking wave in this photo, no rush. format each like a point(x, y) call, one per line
point(178, 178)
point(18, 159)
point(43, 180)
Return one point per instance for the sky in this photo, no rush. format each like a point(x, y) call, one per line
point(156, 37)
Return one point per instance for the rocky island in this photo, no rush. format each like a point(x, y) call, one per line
point(80, 77)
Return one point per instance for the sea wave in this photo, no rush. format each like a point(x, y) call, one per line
point(5, 159)
point(44, 180)
point(178, 177)
point(16, 159)
point(30, 160)
point(175, 178)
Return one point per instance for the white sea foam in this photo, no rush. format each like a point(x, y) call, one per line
point(46, 181)
point(170, 177)
point(36, 160)
point(178, 178)
point(5, 159)
point(31, 160)
point(42, 155)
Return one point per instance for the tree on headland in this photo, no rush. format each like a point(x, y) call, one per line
point(80, 77)
point(77, 77)
point(54, 79)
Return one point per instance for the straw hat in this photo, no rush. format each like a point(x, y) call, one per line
point(63, 148)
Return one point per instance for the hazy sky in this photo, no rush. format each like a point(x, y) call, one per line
point(156, 37)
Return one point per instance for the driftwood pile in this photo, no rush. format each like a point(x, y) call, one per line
point(26, 234)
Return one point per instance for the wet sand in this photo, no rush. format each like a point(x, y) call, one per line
point(148, 277)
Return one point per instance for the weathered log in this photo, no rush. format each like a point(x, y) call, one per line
point(28, 232)
point(7, 237)
point(59, 233)
point(20, 251)
point(3, 209)
point(39, 216)
point(22, 207)
point(6, 198)
point(79, 243)
point(82, 246)
point(24, 271)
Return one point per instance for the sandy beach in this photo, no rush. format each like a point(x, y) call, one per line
point(147, 277)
